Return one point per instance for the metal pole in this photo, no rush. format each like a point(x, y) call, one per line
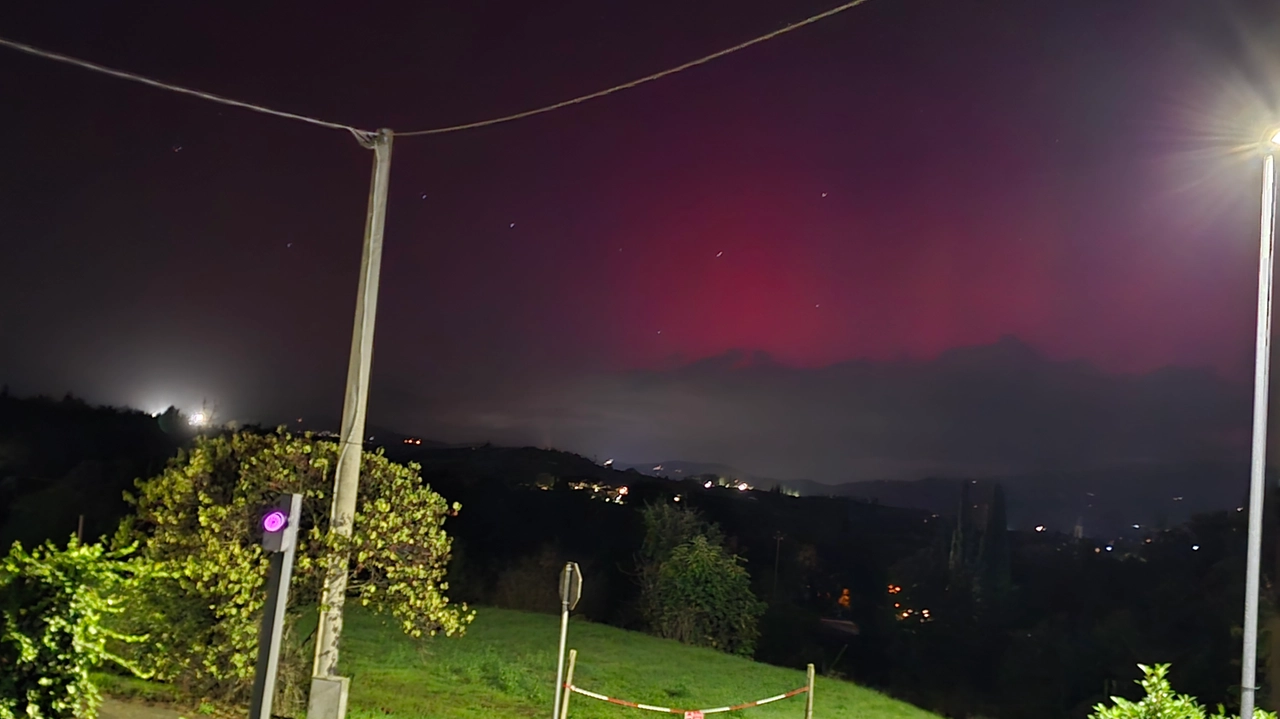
point(808, 696)
point(355, 403)
point(568, 682)
point(271, 636)
point(1258, 465)
point(564, 633)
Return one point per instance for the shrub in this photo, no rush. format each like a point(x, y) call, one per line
point(1160, 701)
point(703, 598)
point(198, 523)
point(52, 606)
point(692, 590)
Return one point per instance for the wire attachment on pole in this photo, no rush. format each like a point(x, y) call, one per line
point(367, 139)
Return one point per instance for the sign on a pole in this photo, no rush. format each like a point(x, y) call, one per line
point(570, 584)
point(280, 524)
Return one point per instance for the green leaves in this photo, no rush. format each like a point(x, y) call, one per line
point(53, 603)
point(1160, 702)
point(199, 523)
point(693, 590)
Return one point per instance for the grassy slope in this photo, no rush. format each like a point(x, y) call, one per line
point(505, 667)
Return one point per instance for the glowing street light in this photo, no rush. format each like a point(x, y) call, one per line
point(1257, 467)
point(198, 419)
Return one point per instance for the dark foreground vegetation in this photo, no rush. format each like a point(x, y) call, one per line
point(951, 612)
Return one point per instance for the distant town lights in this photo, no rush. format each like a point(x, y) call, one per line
point(707, 484)
point(1039, 527)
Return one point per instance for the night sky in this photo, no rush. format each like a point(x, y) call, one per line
point(920, 236)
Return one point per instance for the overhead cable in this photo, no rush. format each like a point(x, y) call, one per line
point(639, 81)
point(364, 136)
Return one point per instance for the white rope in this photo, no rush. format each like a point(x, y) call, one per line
point(593, 695)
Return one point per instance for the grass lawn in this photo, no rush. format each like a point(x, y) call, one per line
point(505, 667)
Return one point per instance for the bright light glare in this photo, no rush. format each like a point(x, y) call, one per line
point(1039, 527)
point(197, 420)
point(1275, 138)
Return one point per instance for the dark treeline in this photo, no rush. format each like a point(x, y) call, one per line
point(951, 612)
point(64, 459)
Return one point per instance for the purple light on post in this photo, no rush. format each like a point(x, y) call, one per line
point(274, 521)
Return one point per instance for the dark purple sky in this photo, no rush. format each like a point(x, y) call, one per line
point(856, 199)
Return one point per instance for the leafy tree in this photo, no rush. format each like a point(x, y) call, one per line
point(199, 524)
point(692, 589)
point(52, 606)
point(703, 597)
point(667, 526)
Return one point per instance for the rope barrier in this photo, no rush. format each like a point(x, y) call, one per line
point(687, 713)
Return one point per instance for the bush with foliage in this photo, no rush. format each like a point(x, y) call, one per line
point(198, 522)
point(692, 589)
point(52, 606)
point(1161, 702)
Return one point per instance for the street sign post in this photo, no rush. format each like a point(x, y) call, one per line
point(571, 585)
point(280, 538)
point(570, 593)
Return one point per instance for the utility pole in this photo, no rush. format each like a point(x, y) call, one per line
point(1258, 465)
point(328, 691)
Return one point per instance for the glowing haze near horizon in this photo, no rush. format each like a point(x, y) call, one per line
point(907, 178)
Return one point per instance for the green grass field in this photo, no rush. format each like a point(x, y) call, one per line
point(505, 667)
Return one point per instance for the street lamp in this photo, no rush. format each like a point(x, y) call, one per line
point(1258, 464)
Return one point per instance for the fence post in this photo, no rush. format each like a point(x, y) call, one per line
point(808, 699)
point(568, 682)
